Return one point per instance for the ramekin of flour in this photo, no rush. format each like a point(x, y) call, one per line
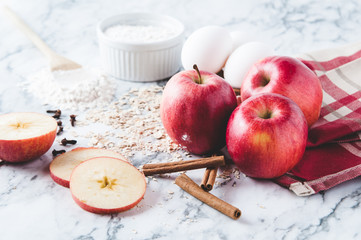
point(140, 47)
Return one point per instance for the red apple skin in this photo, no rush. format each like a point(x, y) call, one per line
point(104, 210)
point(22, 150)
point(289, 77)
point(196, 115)
point(266, 148)
point(60, 181)
point(26, 149)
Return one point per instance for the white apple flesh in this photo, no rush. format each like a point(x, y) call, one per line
point(62, 166)
point(266, 135)
point(25, 136)
point(106, 185)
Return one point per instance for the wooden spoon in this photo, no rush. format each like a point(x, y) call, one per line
point(57, 62)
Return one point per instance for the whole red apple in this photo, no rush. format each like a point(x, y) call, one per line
point(289, 77)
point(195, 109)
point(266, 135)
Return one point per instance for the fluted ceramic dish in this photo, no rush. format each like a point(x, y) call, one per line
point(141, 61)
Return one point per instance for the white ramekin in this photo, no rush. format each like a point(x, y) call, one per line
point(141, 62)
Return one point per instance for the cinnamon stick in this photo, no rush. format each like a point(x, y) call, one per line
point(159, 168)
point(209, 178)
point(187, 184)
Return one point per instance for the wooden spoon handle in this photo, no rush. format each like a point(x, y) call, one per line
point(40, 44)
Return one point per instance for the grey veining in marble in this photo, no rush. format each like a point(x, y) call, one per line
point(32, 206)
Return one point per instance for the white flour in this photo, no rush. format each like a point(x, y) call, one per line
point(78, 89)
point(139, 33)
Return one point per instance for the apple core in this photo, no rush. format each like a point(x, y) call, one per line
point(19, 125)
point(107, 183)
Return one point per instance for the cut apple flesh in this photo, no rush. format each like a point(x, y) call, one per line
point(17, 126)
point(107, 185)
point(25, 136)
point(63, 165)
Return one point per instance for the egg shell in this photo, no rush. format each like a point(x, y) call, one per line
point(208, 47)
point(241, 60)
point(240, 37)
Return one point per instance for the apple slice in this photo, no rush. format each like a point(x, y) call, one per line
point(62, 166)
point(25, 136)
point(106, 185)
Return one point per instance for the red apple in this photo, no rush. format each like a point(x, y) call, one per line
point(62, 166)
point(289, 77)
point(266, 135)
point(195, 109)
point(25, 136)
point(107, 185)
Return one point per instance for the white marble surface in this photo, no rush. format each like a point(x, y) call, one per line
point(32, 206)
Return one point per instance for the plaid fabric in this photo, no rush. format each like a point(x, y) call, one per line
point(333, 153)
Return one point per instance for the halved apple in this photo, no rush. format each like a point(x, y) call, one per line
point(25, 136)
point(62, 166)
point(107, 185)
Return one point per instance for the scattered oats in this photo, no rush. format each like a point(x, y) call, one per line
point(134, 231)
point(136, 119)
point(165, 175)
point(110, 145)
point(94, 141)
point(234, 184)
point(236, 173)
point(170, 192)
point(261, 206)
point(227, 173)
point(158, 135)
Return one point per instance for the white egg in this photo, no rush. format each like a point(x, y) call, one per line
point(241, 60)
point(239, 38)
point(208, 47)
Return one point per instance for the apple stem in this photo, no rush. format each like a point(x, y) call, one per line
point(195, 67)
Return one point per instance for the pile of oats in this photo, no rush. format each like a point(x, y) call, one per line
point(135, 118)
point(227, 175)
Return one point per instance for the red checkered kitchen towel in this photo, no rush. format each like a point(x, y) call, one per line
point(333, 153)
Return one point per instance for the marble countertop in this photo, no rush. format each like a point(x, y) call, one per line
point(32, 206)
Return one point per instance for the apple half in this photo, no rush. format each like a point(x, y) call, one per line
point(25, 136)
point(63, 165)
point(105, 185)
